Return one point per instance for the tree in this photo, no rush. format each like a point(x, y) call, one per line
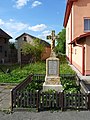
point(12, 46)
point(34, 50)
point(39, 48)
point(61, 47)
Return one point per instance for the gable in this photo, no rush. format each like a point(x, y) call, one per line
point(30, 39)
point(68, 10)
point(4, 34)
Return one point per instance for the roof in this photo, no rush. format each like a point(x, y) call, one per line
point(4, 34)
point(33, 37)
point(80, 37)
point(68, 10)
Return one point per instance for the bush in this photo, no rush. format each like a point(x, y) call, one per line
point(70, 85)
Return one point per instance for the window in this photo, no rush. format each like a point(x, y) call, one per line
point(86, 24)
point(0, 48)
point(25, 38)
point(5, 53)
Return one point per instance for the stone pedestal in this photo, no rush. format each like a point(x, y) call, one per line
point(52, 79)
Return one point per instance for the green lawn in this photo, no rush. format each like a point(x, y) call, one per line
point(17, 74)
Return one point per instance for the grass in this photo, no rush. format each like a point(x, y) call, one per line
point(17, 74)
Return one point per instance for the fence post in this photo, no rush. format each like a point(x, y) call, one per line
point(88, 101)
point(11, 99)
point(62, 100)
point(37, 104)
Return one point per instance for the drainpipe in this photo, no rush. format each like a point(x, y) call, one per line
point(71, 41)
point(83, 57)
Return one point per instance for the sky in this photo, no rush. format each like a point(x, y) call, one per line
point(35, 17)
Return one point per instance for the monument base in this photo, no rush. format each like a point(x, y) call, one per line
point(52, 80)
point(58, 88)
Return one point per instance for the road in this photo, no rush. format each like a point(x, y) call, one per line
point(46, 115)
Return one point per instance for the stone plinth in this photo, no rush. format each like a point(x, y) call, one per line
point(58, 88)
point(52, 79)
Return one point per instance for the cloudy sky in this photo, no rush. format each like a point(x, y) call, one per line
point(35, 17)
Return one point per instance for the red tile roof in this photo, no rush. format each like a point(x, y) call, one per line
point(68, 10)
point(80, 37)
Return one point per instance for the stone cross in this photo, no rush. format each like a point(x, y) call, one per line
point(52, 37)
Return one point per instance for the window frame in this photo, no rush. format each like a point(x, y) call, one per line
point(88, 26)
point(25, 38)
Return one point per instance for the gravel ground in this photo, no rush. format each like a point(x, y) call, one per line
point(46, 115)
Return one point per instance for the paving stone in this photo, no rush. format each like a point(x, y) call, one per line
point(5, 104)
point(1, 89)
point(2, 94)
point(5, 97)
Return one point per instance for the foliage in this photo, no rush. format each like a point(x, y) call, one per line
point(12, 46)
point(27, 48)
point(70, 85)
point(50, 91)
point(35, 85)
point(66, 69)
point(39, 48)
point(61, 42)
point(34, 50)
point(17, 74)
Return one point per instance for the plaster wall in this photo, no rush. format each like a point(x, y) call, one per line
point(80, 10)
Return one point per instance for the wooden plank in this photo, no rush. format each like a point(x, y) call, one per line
point(21, 100)
point(79, 98)
point(86, 106)
point(37, 100)
point(75, 100)
point(42, 99)
point(57, 100)
point(52, 99)
point(62, 101)
point(17, 99)
point(82, 100)
point(11, 93)
point(65, 100)
point(49, 101)
point(28, 98)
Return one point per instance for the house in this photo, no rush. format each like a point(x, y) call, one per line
point(77, 24)
point(4, 46)
point(29, 39)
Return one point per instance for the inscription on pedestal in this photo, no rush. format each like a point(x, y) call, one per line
point(52, 67)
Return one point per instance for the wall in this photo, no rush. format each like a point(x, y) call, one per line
point(5, 47)
point(46, 53)
point(81, 9)
point(68, 36)
point(20, 41)
point(87, 62)
point(77, 57)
